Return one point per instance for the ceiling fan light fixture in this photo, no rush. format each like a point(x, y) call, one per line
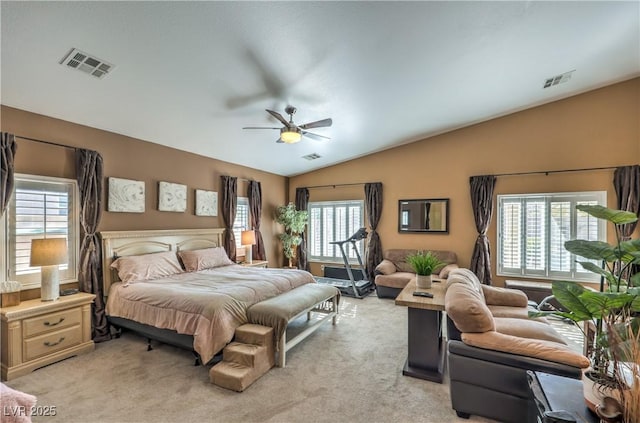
point(290, 136)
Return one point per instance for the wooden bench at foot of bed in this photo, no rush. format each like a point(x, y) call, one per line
point(278, 311)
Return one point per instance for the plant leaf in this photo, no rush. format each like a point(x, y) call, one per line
point(569, 295)
point(602, 304)
point(533, 314)
point(618, 217)
point(587, 265)
point(594, 250)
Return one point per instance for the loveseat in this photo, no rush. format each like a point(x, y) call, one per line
point(489, 356)
point(393, 273)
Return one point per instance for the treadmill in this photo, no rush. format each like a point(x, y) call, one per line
point(351, 287)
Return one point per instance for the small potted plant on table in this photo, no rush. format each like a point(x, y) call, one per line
point(424, 264)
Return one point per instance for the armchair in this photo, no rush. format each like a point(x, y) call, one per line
point(489, 356)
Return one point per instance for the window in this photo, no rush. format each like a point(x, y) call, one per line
point(533, 228)
point(242, 219)
point(334, 221)
point(40, 207)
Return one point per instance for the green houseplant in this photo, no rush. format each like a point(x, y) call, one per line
point(294, 222)
point(424, 264)
point(612, 312)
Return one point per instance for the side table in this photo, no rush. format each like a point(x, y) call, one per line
point(552, 393)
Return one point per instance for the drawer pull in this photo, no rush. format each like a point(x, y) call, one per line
point(54, 324)
point(53, 344)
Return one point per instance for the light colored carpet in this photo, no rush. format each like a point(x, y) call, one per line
point(351, 372)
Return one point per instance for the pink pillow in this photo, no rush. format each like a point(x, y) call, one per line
point(147, 266)
point(206, 258)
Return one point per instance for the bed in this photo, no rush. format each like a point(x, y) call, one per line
point(199, 310)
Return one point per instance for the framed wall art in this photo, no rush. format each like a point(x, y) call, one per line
point(126, 196)
point(206, 203)
point(172, 197)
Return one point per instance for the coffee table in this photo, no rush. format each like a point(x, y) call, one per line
point(426, 347)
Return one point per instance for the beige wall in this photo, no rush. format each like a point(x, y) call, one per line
point(597, 129)
point(600, 128)
point(131, 158)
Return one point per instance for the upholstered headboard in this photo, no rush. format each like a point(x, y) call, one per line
point(129, 243)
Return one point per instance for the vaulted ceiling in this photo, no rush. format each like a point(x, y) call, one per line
point(191, 75)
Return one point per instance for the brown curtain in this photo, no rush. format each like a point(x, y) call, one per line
point(482, 203)
point(626, 181)
point(8, 149)
point(302, 203)
point(89, 173)
point(254, 192)
point(229, 204)
point(373, 204)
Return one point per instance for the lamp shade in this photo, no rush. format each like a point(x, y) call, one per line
point(48, 252)
point(248, 238)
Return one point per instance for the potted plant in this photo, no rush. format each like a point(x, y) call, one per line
point(612, 312)
point(294, 222)
point(424, 264)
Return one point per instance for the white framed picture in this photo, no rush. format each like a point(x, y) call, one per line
point(172, 197)
point(126, 196)
point(206, 203)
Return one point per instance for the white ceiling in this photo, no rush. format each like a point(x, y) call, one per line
point(190, 75)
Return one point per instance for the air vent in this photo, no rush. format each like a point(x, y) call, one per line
point(558, 79)
point(86, 63)
point(311, 156)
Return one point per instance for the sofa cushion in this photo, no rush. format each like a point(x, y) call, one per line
point(444, 272)
point(527, 329)
point(399, 255)
point(386, 267)
point(465, 277)
point(546, 350)
point(504, 296)
point(394, 280)
point(465, 306)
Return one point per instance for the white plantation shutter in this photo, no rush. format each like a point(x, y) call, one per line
point(242, 220)
point(533, 228)
point(535, 236)
point(333, 221)
point(41, 207)
point(511, 234)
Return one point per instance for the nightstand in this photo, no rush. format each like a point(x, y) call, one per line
point(256, 263)
point(36, 333)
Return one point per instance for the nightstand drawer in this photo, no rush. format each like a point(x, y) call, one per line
point(51, 322)
point(52, 342)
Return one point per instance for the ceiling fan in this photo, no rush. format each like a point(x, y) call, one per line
point(291, 133)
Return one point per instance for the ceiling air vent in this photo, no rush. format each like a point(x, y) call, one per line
point(86, 63)
point(311, 156)
point(558, 79)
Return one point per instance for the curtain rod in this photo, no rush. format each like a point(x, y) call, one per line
point(337, 185)
point(547, 172)
point(45, 142)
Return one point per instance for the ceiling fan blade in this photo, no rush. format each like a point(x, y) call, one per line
point(312, 135)
point(279, 141)
point(258, 127)
point(279, 117)
point(317, 124)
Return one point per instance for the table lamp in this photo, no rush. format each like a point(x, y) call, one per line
point(248, 239)
point(49, 253)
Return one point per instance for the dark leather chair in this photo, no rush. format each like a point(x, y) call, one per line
point(488, 359)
